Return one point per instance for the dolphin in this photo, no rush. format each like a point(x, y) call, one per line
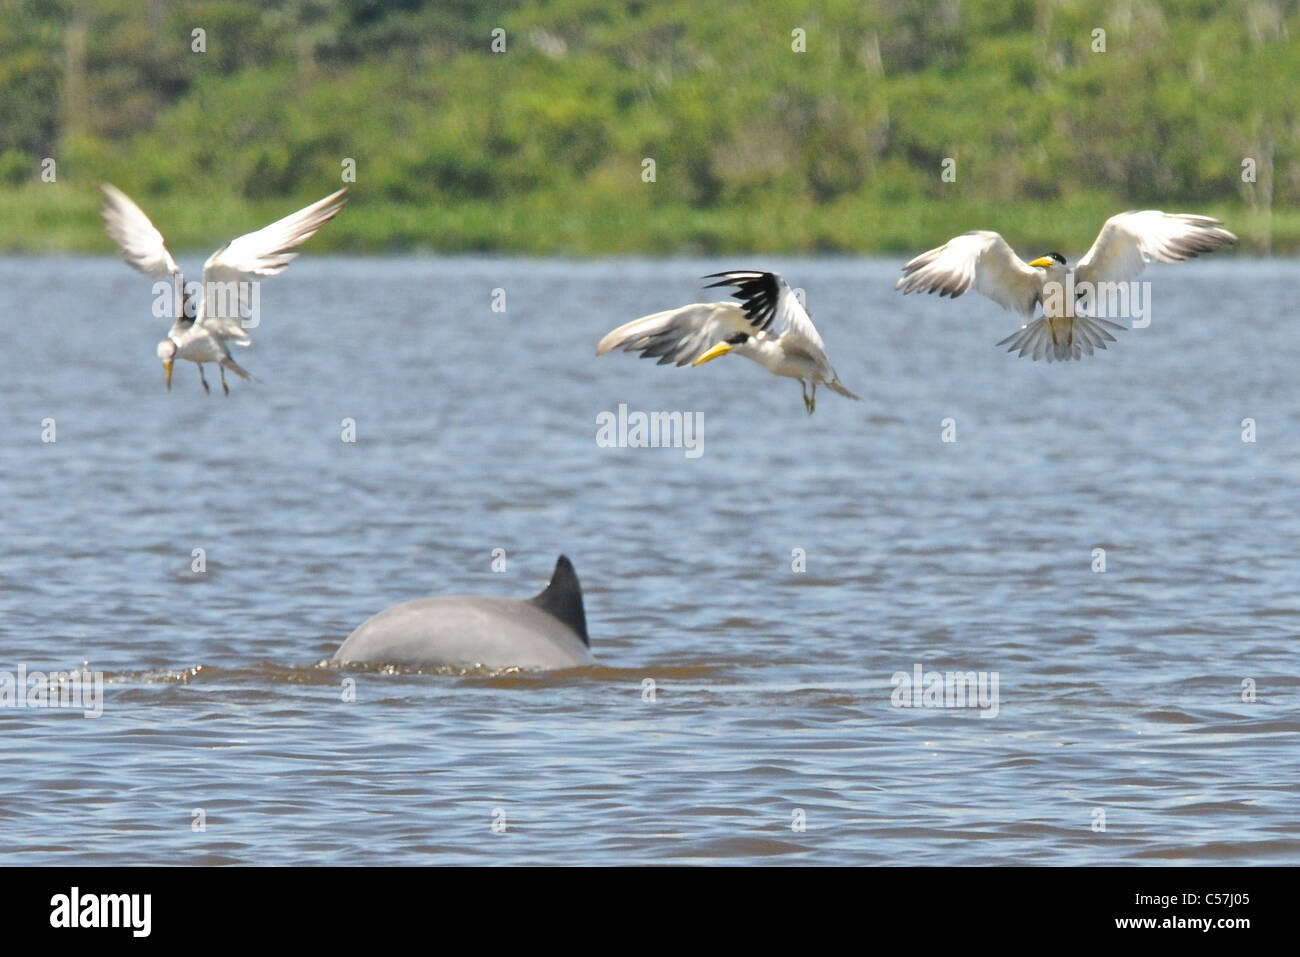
point(545, 632)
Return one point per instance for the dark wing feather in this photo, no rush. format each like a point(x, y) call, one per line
point(757, 291)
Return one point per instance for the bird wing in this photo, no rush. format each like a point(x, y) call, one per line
point(679, 335)
point(771, 306)
point(229, 328)
point(139, 241)
point(981, 259)
point(261, 254)
point(1130, 240)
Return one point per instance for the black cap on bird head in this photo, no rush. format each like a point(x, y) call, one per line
point(1048, 261)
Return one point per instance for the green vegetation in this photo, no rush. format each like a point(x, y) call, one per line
point(757, 148)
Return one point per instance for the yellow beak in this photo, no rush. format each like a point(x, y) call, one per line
point(1045, 262)
point(721, 349)
point(167, 365)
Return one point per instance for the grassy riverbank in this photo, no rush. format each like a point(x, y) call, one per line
point(785, 130)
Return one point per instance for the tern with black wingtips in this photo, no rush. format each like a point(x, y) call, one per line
point(768, 325)
point(982, 260)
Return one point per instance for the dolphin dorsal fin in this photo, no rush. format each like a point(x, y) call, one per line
point(562, 598)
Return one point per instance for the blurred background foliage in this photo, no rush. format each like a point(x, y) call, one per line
point(757, 148)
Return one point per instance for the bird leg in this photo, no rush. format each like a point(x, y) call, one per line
point(809, 402)
point(203, 379)
point(224, 387)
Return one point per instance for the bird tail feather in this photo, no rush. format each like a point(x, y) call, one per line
point(1061, 339)
point(236, 368)
point(837, 386)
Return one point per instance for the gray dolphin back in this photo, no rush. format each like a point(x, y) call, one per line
point(547, 631)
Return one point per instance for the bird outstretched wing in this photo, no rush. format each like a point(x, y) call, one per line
point(1130, 240)
point(678, 335)
point(143, 246)
point(138, 240)
point(981, 259)
point(260, 255)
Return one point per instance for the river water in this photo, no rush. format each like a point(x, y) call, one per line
point(750, 603)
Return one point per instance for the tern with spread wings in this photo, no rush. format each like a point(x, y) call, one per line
point(768, 325)
point(982, 260)
point(205, 332)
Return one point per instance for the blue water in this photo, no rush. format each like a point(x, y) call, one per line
point(1120, 692)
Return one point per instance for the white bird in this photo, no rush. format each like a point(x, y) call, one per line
point(1124, 246)
point(204, 333)
point(768, 325)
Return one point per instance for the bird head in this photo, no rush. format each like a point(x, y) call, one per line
point(1050, 261)
point(723, 347)
point(167, 353)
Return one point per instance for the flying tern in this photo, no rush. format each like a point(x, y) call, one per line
point(983, 260)
point(204, 332)
point(768, 325)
